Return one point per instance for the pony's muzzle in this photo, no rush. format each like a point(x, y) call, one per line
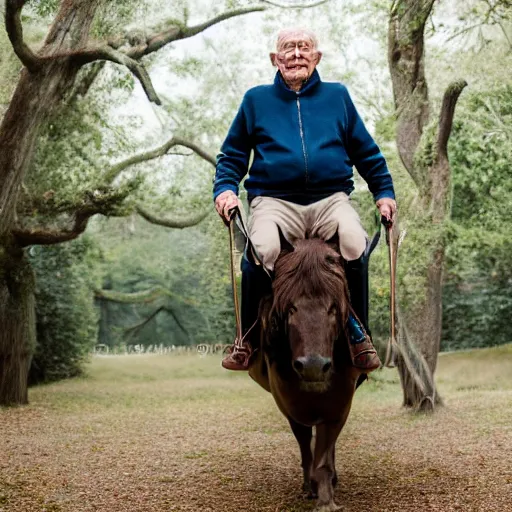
point(312, 368)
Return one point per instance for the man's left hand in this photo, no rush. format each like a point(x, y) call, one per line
point(387, 208)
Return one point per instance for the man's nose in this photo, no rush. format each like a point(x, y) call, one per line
point(297, 52)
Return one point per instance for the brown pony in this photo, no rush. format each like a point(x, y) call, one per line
point(303, 358)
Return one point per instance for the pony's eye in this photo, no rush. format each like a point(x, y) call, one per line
point(333, 310)
point(291, 310)
point(332, 260)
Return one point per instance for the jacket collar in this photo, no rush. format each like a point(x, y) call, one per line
point(307, 88)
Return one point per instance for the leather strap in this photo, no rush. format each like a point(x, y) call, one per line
point(234, 286)
point(393, 246)
point(237, 219)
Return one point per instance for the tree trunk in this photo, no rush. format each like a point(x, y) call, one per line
point(49, 75)
point(420, 337)
point(36, 95)
point(423, 151)
point(18, 325)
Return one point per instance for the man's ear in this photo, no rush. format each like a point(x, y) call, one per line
point(273, 57)
point(318, 57)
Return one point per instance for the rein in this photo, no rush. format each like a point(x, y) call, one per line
point(236, 300)
point(393, 243)
point(237, 219)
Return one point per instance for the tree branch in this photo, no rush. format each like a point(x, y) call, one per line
point(299, 6)
point(162, 150)
point(171, 223)
point(41, 236)
point(450, 98)
point(135, 329)
point(106, 202)
point(196, 149)
point(143, 297)
point(158, 40)
point(107, 53)
point(14, 30)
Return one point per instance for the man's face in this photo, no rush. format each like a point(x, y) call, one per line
point(296, 57)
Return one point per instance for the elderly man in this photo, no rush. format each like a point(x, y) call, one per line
point(305, 136)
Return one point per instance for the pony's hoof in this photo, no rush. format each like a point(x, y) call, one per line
point(330, 507)
point(307, 488)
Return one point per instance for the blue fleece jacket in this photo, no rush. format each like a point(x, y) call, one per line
point(305, 144)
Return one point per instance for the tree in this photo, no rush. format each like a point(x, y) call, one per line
point(422, 146)
point(49, 76)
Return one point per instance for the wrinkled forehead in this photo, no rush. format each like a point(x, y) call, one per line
point(295, 35)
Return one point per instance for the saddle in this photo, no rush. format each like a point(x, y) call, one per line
point(240, 242)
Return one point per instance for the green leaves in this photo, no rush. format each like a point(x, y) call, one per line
point(479, 254)
point(67, 321)
point(480, 152)
point(45, 8)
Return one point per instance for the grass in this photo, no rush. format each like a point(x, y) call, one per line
point(155, 433)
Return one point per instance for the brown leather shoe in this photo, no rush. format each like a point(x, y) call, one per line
point(238, 358)
point(364, 356)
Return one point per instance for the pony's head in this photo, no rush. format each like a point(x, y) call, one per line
point(310, 307)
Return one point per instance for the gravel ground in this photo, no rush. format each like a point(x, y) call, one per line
point(161, 433)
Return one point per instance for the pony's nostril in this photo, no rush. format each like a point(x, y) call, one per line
point(326, 367)
point(298, 365)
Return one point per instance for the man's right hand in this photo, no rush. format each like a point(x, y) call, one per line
point(226, 203)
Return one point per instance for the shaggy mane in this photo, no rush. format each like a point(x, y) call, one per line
point(313, 270)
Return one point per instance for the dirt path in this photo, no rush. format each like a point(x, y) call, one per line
point(169, 434)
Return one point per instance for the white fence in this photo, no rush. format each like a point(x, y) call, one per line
point(202, 349)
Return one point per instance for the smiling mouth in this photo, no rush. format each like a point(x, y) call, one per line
point(296, 68)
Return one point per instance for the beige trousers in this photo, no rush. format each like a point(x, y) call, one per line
point(321, 219)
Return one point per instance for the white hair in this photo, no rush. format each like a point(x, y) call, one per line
point(307, 34)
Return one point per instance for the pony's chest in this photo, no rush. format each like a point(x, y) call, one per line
point(312, 404)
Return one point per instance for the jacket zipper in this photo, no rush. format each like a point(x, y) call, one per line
point(301, 129)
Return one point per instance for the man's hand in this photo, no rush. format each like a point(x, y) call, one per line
point(387, 208)
point(225, 203)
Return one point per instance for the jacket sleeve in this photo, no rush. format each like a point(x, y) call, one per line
point(365, 154)
point(233, 159)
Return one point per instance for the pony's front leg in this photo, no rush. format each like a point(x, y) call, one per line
point(304, 435)
point(323, 464)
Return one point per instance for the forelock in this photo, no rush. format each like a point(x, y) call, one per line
point(303, 33)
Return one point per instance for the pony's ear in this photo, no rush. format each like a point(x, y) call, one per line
point(334, 243)
point(286, 246)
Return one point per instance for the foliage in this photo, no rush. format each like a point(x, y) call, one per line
point(189, 264)
point(45, 7)
point(204, 83)
point(477, 289)
point(481, 150)
point(67, 321)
